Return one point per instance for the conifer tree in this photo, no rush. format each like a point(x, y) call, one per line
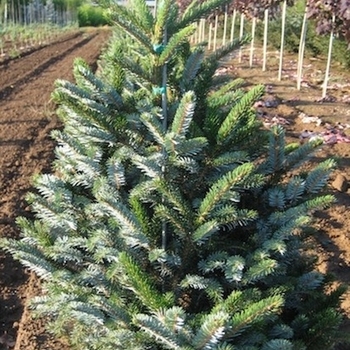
point(171, 219)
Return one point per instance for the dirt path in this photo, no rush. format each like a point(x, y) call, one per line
point(26, 119)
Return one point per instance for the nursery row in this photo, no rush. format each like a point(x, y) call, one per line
point(16, 39)
point(274, 24)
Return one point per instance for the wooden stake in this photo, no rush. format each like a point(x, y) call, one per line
point(233, 24)
point(266, 24)
point(196, 34)
point(241, 36)
point(203, 29)
point(215, 31)
point(301, 50)
point(225, 28)
point(252, 43)
point(199, 29)
point(325, 83)
point(210, 35)
point(284, 11)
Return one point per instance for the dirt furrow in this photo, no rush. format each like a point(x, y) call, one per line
point(11, 69)
point(12, 82)
point(26, 119)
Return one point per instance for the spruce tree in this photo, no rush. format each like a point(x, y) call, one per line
point(171, 219)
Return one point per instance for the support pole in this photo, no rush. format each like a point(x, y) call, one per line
point(301, 50)
point(233, 24)
point(216, 31)
point(225, 28)
point(266, 24)
point(210, 35)
point(284, 10)
point(165, 126)
point(325, 83)
point(241, 29)
point(252, 43)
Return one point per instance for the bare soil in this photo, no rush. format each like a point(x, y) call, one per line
point(27, 116)
point(26, 119)
point(15, 47)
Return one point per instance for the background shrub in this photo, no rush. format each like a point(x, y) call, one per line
point(91, 16)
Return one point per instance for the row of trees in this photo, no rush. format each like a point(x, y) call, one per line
point(331, 18)
point(330, 15)
point(24, 12)
point(172, 220)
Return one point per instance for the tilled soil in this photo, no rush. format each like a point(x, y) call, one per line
point(26, 119)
